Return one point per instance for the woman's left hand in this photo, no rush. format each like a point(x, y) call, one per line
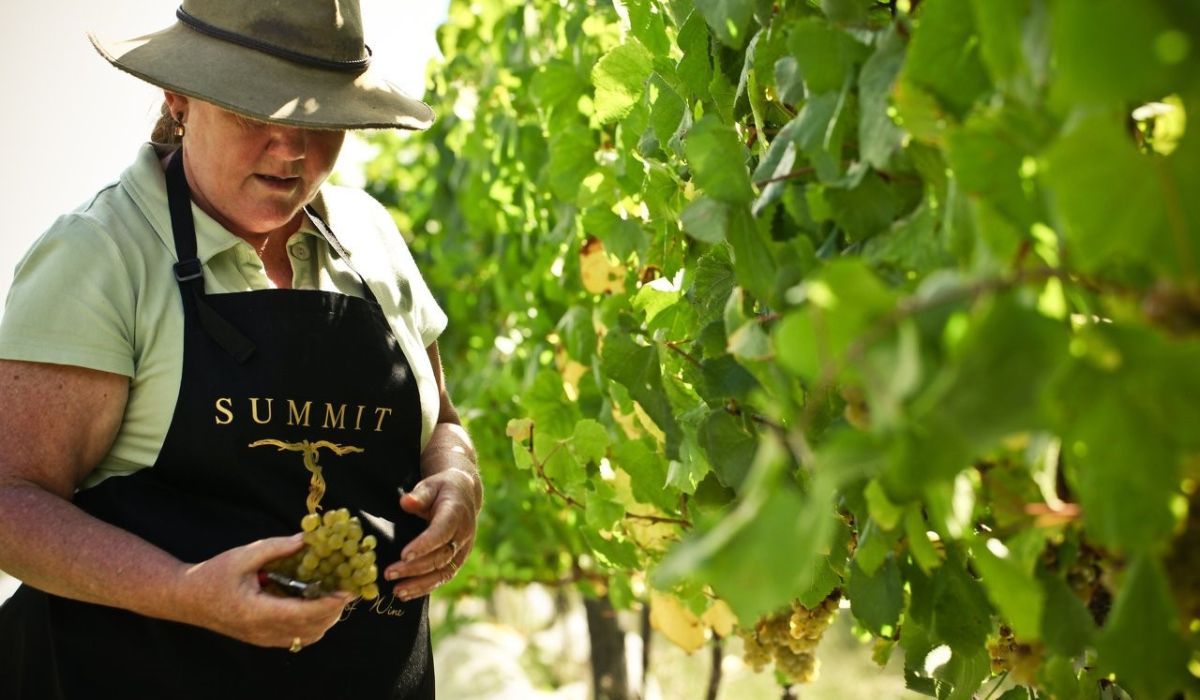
point(448, 500)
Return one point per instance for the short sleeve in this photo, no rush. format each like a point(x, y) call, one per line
point(428, 317)
point(71, 301)
point(431, 319)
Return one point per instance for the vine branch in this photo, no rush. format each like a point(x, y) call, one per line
point(539, 466)
point(690, 358)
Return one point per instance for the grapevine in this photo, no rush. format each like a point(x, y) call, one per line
point(733, 278)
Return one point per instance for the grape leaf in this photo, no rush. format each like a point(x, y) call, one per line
point(729, 446)
point(825, 54)
point(648, 474)
point(729, 20)
point(877, 600)
point(1067, 626)
point(637, 368)
point(695, 67)
point(961, 613)
point(589, 441)
point(878, 135)
point(572, 158)
point(943, 57)
point(620, 80)
point(716, 157)
point(1141, 640)
point(1109, 196)
point(753, 259)
point(706, 219)
point(1105, 52)
point(1016, 594)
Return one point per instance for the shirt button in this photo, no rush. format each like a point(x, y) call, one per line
point(300, 251)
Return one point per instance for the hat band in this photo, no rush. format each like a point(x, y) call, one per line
point(355, 66)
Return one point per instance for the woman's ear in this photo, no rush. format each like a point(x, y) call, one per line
point(177, 103)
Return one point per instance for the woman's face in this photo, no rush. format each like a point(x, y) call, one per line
point(252, 177)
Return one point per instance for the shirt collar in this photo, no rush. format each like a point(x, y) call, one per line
point(147, 185)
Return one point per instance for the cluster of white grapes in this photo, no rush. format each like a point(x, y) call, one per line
point(1020, 660)
point(336, 555)
point(789, 638)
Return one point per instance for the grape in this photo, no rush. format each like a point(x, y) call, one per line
point(335, 554)
point(789, 637)
point(1019, 659)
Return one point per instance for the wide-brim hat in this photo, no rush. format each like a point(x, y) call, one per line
point(297, 62)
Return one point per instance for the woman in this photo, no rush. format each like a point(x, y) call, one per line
point(217, 296)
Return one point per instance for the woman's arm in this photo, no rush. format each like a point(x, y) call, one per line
point(449, 497)
point(56, 423)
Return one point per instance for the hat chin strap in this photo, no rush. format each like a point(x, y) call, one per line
point(353, 66)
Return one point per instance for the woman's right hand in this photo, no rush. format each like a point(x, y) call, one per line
point(223, 594)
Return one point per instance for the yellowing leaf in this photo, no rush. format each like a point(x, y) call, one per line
point(675, 622)
point(600, 275)
point(651, 536)
point(519, 429)
point(719, 618)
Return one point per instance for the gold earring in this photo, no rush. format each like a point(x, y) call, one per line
point(179, 126)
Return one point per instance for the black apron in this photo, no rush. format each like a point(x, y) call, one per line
point(282, 366)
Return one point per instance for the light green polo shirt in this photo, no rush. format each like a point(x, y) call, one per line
point(97, 290)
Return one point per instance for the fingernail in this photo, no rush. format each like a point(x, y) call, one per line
point(402, 593)
point(391, 575)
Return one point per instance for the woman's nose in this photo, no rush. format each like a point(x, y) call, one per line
point(288, 142)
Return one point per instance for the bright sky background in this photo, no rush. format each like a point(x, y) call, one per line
point(70, 123)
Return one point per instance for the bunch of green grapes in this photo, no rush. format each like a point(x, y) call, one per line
point(789, 637)
point(335, 554)
point(1020, 660)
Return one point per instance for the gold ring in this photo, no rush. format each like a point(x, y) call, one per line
point(296, 645)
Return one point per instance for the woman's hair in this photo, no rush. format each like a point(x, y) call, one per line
point(165, 128)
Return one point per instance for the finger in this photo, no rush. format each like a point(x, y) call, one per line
point(303, 610)
point(432, 561)
point(419, 499)
point(418, 586)
point(437, 536)
point(448, 517)
point(258, 553)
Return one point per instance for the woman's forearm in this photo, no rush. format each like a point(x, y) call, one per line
point(51, 545)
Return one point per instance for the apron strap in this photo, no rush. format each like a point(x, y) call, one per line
point(189, 272)
point(336, 245)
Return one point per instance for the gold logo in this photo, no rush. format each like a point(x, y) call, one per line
point(312, 454)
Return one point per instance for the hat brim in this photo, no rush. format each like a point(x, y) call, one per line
point(264, 87)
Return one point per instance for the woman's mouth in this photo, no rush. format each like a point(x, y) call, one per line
point(275, 182)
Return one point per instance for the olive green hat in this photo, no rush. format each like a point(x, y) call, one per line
point(296, 62)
